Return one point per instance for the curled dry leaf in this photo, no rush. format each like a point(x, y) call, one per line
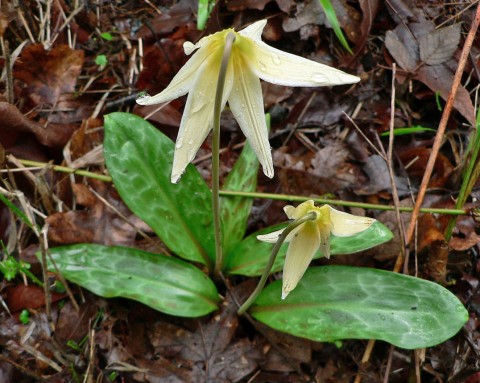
point(13, 121)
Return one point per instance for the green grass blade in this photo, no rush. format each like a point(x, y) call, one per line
point(164, 283)
point(333, 20)
point(205, 7)
point(340, 302)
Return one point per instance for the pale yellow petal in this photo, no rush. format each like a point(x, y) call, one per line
point(181, 84)
point(197, 117)
point(270, 237)
point(289, 211)
point(254, 31)
point(278, 67)
point(246, 103)
point(301, 250)
point(345, 225)
point(325, 241)
point(301, 210)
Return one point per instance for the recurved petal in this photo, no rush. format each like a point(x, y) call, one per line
point(181, 84)
point(346, 225)
point(197, 117)
point(254, 31)
point(301, 250)
point(270, 237)
point(278, 67)
point(246, 103)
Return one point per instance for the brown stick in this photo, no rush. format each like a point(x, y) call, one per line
point(441, 128)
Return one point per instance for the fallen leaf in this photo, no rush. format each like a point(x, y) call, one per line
point(98, 223)
point(48, 75)
point(15, 122)
point(19, 297)
point(210, 349)
point(439, 78)
point(405, 55)
point(418, 157)
point(439, 45)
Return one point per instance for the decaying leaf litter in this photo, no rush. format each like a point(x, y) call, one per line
point(325, 143)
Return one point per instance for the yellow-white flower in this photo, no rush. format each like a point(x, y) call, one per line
point(251, 59)
point(311, 236)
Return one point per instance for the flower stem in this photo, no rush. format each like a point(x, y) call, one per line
point(227, 50)
point(281, 238)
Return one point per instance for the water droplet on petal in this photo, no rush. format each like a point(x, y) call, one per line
point(190, 142)
point(276, 59)
point(141, 97)
point(263, 67)
point(319, 78)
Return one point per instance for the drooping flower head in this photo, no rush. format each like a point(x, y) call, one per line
point(311, 236)
point(251, 60)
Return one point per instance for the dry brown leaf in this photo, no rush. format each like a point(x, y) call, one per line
point(97, 223)
point(440, 79)
point(439, 45)
point(403, 54)
point(48, 75)
point(209, 350)
point(13, 121)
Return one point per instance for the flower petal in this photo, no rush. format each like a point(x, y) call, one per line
point(246, 103)
point(180, 84)
point(270, 237)
point(301, 250)
point(278, 67)
point(325, 241)
point(346, 225)
point(197, 117)
point(254, 31)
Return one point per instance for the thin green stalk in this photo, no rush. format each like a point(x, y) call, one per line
point(227, 50)
point(64, 169)
point(277, 197)
point(470, 176)
point(296, 198)
point(281, 238)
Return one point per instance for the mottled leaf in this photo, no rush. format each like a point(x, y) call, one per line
point(139, 159)
point(164, 283)
point(235, 210)
point(341, 302)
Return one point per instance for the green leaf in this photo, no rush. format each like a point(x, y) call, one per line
point(408, 130)
point(205, 7)
point(341, 302)
point(139, 159)
point(106, 36)
point(101, 60)
point(333, 20)
point(251, 255)
point(235, 210)
point(166, 284)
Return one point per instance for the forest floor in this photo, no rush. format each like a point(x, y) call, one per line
point(66, 64)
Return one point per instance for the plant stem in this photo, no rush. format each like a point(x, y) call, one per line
point(281, 238)
point(227, 50)
point(334, 202)
point(273, 196)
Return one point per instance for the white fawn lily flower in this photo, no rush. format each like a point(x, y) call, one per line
point(251, 60)
point(311, 236)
